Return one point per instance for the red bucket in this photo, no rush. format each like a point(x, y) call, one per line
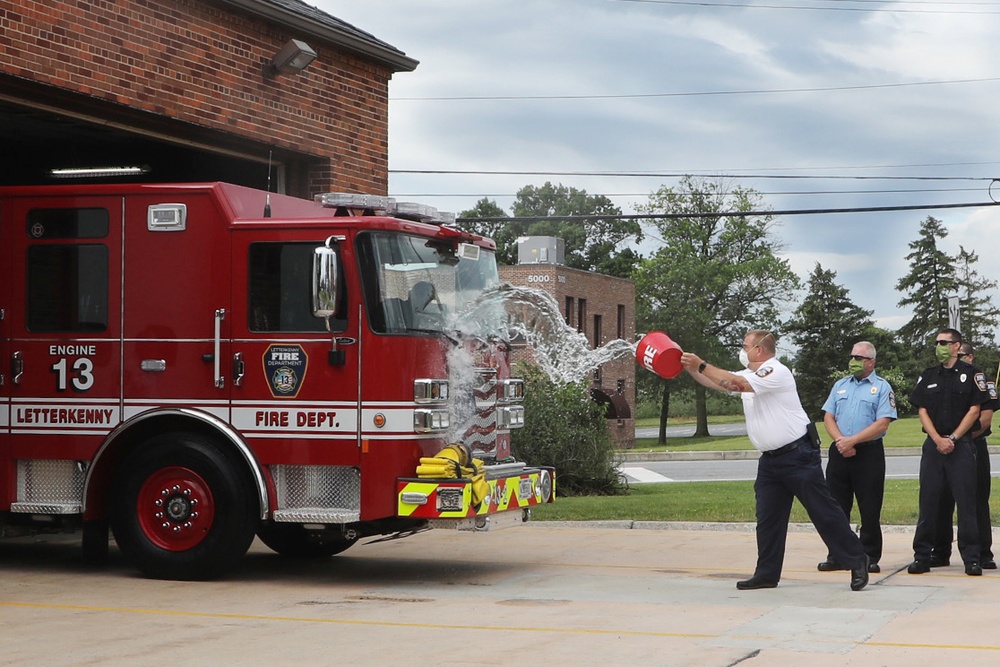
point(657, 353)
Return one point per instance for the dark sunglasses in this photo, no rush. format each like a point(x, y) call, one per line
point(858, 357)
point(944, 342)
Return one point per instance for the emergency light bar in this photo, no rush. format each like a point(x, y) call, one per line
point(379, 205)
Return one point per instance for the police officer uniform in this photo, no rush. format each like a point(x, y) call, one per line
point(857, 403)
point(947, 394)
point(941, 554)
point(789, 467)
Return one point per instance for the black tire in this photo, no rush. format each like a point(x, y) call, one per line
point(293, 541)
point(182, 509)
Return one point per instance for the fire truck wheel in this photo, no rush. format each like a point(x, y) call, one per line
point(181, 509)
point(294, 541)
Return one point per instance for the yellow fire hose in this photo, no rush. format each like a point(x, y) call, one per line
point(455, 462)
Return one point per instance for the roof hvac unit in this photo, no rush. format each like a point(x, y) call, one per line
point(541, 250)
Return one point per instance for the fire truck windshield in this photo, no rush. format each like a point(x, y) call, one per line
point(416, 284)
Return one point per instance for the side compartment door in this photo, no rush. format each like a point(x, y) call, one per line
point(65, 345)
point(6, 232)
point(176, 317)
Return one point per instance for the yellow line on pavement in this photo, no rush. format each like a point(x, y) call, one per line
point(344, 621)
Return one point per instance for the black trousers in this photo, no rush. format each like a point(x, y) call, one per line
point(939, 473)
point(984, 485)
point(861, 476)
point(798, 474)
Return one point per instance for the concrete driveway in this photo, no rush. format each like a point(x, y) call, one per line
point(539, 594)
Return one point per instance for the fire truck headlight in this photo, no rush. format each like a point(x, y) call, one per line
point(544, 488)
point(431, 421)
point(512, 391)
point(430, 391)
point(510, 416)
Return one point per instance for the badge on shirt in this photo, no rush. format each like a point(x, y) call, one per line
point(874, 390)
point(764, 371)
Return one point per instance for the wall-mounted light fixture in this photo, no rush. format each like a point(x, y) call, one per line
point(293, 57)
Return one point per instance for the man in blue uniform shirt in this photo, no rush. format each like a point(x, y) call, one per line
point(857, 415)
point(949, 396)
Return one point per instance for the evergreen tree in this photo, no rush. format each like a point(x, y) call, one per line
point(825, 327)
point(978, 314)
point(931, 280)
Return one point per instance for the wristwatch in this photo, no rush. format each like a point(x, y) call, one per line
point(952, 437)
point(701, 366)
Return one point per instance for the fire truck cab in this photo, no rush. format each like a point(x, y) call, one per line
point(192, 365)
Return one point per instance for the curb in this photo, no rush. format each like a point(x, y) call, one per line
point(633, 456)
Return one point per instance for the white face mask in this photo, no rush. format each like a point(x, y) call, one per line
point(744, 358)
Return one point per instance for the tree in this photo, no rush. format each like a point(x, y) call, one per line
point(978, 312)
point(713, 278)
point(931, 280)
point(825, 327)
point(596, 244)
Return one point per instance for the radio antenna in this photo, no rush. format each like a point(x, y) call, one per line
point(267, 201)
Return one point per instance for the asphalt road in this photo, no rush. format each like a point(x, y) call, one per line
point(722, 470)
point(736, 428)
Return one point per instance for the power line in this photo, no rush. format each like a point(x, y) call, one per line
point(839, 7)
point(727, 214)
point(653, 174)
point(704, 93)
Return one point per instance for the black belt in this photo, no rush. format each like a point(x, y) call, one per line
point(790, 447)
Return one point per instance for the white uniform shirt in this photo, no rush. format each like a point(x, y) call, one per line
point(773, 410)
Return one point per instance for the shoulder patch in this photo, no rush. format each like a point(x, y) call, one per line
point(764, 371)
point(981, 381)
point(992, 387)
point(892, 400)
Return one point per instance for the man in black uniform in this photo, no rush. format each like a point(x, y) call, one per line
point(949, 397)
point(941, 554)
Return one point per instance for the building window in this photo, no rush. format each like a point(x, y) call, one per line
point(621, 321)
point(581, 315)
point(597, 331)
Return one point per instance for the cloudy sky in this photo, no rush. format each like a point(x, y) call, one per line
point(865, 103)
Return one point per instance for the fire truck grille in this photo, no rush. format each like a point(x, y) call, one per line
point(480, 433)
point(49, 487)
point(317, 494)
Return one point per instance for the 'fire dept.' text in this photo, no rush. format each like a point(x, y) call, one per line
point(310, 419)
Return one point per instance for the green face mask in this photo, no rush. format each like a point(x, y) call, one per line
point(856, 368)
point(943, 353)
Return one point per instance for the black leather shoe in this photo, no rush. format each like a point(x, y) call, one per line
point(830, 566)
point(938, 561)
point(859, 576)
point(989, 564)
point(973, 569)
point(874, 568)
point(919, 567)
point(754, 583)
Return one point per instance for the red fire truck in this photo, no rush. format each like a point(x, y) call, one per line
point(192, 365)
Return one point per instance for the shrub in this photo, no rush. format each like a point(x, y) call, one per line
point(566, 429)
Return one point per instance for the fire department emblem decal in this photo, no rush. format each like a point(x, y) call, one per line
point(285, 368)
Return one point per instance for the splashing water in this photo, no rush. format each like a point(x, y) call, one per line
point(561, 351)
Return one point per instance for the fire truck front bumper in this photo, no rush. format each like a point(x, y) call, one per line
point(513, 491)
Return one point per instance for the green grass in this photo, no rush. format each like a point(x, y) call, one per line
point(711, 501)
point(904, 432)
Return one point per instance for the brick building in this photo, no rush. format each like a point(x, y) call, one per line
point(189, 91)
point(602, 308)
